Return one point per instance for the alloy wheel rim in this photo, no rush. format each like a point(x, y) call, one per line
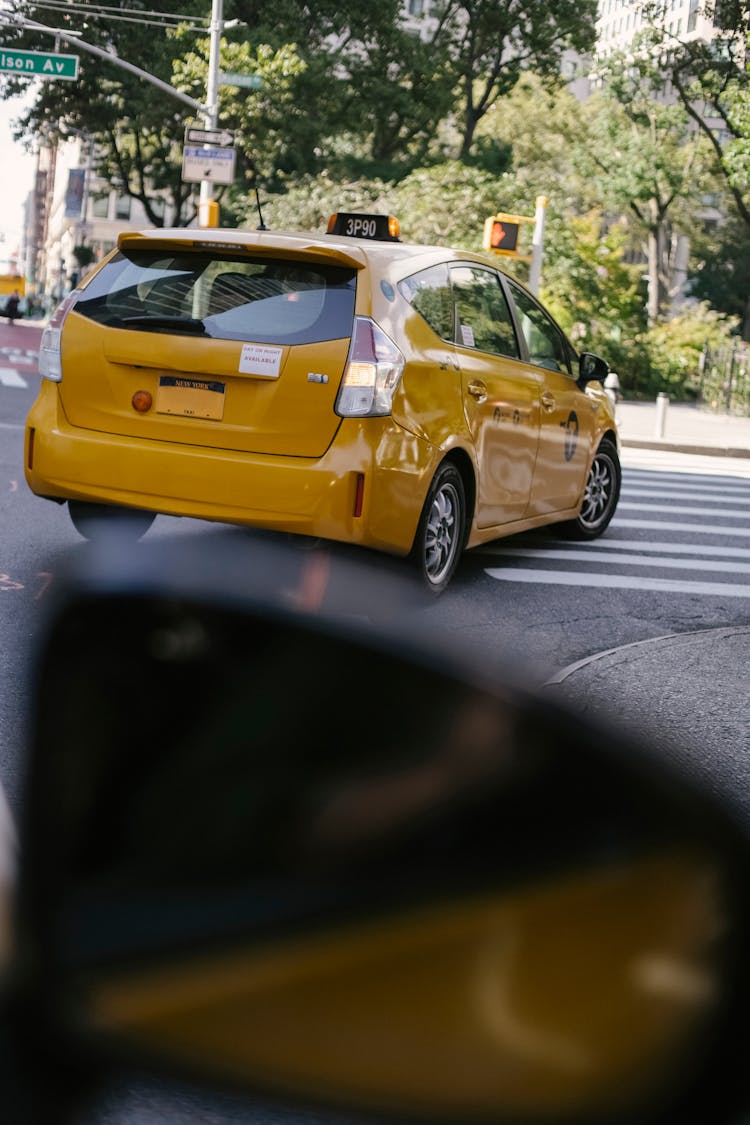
point(599, 492)
point(442, 532)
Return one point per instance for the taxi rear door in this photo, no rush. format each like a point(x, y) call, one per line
point(501, 395)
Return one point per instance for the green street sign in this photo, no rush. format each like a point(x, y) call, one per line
point(38, 64)
point(252, 81)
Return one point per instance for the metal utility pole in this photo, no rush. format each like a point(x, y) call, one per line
point(208, 208)
point(537, 246)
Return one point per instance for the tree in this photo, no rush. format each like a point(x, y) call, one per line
point(720, 270)
point(374, 92)
point(492, 42)
point(711, 78)
point(134, 130)
point(650, 165)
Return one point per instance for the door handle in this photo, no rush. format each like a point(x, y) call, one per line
point(478, 390)
point(548, 401)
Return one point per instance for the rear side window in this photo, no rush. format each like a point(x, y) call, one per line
point(484, 319)
point(429, 292)
point(261, 300)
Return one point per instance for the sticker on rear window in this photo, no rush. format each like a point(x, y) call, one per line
point(259, 360)
point(467, 336)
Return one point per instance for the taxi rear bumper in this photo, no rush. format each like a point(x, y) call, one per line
point(308, 496)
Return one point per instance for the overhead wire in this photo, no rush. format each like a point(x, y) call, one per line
point(103, 12)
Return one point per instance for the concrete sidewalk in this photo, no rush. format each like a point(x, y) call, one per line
point(688, 429)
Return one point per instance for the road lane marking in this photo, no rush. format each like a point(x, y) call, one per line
point(9, 377)
point(46, 577)
point(11, 426)
point(7, 583)
point(688, 510)
point(691, 528)
point(697, 479)
point(670, 494)
point(650, 485)
point(624, 559)
point(664, 546)
point(620, 582)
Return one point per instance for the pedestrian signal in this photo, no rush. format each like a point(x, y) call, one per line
point(501, 235)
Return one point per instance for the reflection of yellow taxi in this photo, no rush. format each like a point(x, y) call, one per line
point(408, 398)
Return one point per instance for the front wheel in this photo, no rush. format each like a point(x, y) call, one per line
point(441, 531)
point(94, 521)
point(600, 495)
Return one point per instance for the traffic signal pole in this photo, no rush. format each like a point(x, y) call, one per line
point(537, 245)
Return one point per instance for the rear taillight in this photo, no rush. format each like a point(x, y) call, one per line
point(373, 371)
point(50, 355)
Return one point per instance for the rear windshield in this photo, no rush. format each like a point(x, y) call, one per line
point(268, 301)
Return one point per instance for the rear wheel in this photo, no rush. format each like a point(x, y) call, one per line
point(93, 521)
point(600, 495)
point(440, 535)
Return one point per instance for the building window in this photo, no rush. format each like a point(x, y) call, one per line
point(693, 15)
point(100, 206)
point(416, 7)
point(122, 207)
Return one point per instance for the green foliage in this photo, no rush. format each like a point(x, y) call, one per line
point(720, 269)
point(309, 203)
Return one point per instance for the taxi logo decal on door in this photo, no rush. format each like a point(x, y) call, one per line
point(571, 435)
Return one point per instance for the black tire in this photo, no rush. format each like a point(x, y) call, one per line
point(600, 495)
point(441, 533)
point(95, 521)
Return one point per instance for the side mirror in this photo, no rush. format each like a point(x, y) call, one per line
point(591, 368)
point(286, 852)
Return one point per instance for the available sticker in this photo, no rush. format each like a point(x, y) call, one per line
point(259, 360)
point(467, 336)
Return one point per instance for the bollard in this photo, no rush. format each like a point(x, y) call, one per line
point(662, 402)
point(612, 388)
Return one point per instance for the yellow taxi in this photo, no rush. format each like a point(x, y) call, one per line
point(346, 385)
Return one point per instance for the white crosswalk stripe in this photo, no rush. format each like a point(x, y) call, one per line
point(9, 377)
point(669, 556)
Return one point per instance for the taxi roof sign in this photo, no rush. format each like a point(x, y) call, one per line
point(351, 224)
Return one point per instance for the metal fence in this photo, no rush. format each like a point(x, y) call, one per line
point(724, 382)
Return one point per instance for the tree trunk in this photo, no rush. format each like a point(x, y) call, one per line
point(658, 272)
point(653, 276)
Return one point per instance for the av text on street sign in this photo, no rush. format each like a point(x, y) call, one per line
point(251, 81)
point(213, 164)
point(38, 64)
point(195, 135)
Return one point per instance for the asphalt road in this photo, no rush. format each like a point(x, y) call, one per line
point(676, 560)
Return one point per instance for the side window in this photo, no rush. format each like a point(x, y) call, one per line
point(546, 343)
point(484, 320)
point(429, 292)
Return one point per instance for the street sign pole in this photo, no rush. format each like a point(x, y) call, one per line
point(208, 209)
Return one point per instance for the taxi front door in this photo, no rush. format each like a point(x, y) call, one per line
point(567, 416)
point(500, 393)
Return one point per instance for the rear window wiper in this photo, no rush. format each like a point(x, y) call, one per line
point(178, 323)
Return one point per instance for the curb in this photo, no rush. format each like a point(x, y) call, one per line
point(686, 447)
point(668, 639)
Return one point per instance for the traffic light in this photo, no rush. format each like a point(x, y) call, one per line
point(501, 235)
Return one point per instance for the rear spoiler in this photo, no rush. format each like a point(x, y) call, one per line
point(271, 245)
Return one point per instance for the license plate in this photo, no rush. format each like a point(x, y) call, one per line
point(192, 398)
